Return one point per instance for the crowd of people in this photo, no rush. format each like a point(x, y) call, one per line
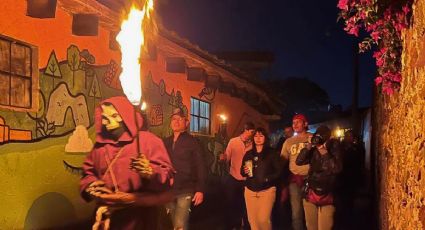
point(130, 172)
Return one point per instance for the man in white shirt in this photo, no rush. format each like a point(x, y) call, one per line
point(235, 182)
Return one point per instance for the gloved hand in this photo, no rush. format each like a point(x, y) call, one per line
point(142, 165)
point(96, 188)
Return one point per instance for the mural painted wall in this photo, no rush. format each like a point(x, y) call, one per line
point(42, 149)
point(69, 92)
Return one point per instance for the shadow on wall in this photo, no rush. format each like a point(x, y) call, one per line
point(51, 210)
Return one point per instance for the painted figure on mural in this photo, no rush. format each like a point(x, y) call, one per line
point(127, 171)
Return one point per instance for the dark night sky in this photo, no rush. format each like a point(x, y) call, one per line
point(304, 36)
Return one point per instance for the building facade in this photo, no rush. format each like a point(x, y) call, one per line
point(58, 60)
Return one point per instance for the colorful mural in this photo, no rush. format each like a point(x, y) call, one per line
point(207, 94)
point(41, 152)
point(70, 90)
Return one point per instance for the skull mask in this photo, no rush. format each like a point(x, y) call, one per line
point(111, 119)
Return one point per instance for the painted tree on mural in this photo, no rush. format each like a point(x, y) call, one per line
point(73, 56)
point(53, 68)
point(87, 60)
point(95, 91)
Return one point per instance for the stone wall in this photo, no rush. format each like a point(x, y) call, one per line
point(399, 136)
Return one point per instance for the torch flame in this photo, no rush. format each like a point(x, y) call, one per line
point(131, 40)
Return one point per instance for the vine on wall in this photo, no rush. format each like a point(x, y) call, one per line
point(383, 22)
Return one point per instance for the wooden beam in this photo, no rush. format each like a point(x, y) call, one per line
point(152, 50)
point(108, 18)
point(196, 74)
point(175, 65)
point(213, 81)
point(253, 99)
point(241, 93)
point(41, 8)
point(227, 87)
point(85, 24)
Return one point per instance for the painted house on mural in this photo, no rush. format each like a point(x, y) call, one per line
point(58, 60)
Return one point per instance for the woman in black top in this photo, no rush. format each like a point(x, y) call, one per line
point(262, 167)
point(323, 155)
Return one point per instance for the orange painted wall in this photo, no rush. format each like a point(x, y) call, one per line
point(234, 108)
point(48, 34)
point(56, 34)
point(39, 165)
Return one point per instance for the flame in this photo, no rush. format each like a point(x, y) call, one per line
point(131, 40)
point(223, 117)
point(144, 106)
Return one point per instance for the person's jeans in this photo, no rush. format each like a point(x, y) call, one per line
point(318, 218)
point(295, 197)
point(179, 210)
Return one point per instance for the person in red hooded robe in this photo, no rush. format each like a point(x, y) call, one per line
point(127, 171)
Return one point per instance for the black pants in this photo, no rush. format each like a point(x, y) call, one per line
point(236, 211)
point(281, 215)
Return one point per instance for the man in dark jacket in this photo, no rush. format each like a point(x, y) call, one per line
point(189, 182)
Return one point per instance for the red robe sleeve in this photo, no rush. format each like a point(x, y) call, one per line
point(89, 175)
point(154, 149)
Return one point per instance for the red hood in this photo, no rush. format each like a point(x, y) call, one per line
point(127, 112)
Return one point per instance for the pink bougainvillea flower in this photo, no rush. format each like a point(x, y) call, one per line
point(387, 89)
point(354, 31)
point(384, 31)
point(393, 77)
point(371, 27)
point(351, 26)
point(406, 9)
point(366, 2)
point(379, 53)
point(380, 62)
point(343, 4)
point(396, 77)
point(387, 14)
point(380, 57)
point(380, 22)
point(399, 24)
point(375, 36)
point(378, 80)
point(362, 15)
point(383, 50)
